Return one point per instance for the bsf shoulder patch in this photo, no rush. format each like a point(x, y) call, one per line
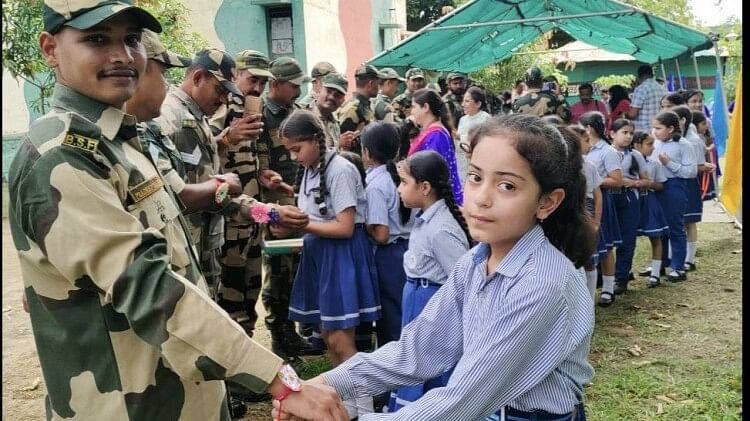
point(146, 189)
point(77, 141)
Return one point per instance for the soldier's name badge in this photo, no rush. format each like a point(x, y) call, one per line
point(146, 189)
point(77, 141)
point(189, 123)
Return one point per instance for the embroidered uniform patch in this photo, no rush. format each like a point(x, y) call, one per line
point(77, 141)
point(146, 189)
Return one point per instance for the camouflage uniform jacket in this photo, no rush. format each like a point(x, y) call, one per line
point(354, 115)
point(164, 153)
point(242, 157)
point(182, 120)
point(383, 110)
point(331, 127)
point(402, 105)
point(307, 102)
point(112, 284)
point(271, 152)
point(541, 103)
point(453, 102)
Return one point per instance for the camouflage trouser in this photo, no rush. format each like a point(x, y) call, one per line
point(278, 276)
point(241, 274)
point(211, 268)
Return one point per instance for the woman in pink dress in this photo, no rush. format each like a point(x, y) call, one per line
point(619, 102)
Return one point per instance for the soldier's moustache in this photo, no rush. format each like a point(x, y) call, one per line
point(118, 72)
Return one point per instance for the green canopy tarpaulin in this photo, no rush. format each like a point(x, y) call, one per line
point(484, 32)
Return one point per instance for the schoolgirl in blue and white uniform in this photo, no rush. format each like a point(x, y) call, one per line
point(607, 162)
point(652, 222)
point(389, 223)
point(336, 283)
point(678, 159)
point(627, 200)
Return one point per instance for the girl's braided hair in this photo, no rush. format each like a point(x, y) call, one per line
point(303, 125)
point(431, 167)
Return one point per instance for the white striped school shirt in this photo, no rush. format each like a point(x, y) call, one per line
point(436, 242)
point(519, 336)
point(698, 144)
point(682, 161)
point(383, 204)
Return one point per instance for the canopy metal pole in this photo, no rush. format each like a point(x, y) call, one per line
point(663, 72)
point(679, 75)
point(697, 75)
point(539, 19)
point(715, 41)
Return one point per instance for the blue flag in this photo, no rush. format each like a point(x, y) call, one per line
point(719, 118)
point(670, 83)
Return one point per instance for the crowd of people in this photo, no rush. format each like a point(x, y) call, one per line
point(448, 269)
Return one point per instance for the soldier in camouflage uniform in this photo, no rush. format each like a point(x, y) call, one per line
point(279, 270)
point(381, 105)
point(319, 70)
point(330, 98)
point(414, 82)
point(241, 255)
point(455, 96)
point(356, 113)
point(123, 325)
point(538, 102)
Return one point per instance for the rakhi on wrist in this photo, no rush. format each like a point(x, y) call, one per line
point(222, 191)
point(264, 214)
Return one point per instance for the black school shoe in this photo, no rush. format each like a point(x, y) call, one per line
point(676, 276)
point(606, 299)
point(620, 287)
point(653, 281)
point(690, 267)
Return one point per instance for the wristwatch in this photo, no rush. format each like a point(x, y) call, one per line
point(222, 191)
point(289, 380)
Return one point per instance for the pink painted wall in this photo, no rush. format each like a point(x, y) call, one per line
point(355, 19)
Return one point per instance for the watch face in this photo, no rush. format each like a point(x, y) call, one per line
point(289, 377)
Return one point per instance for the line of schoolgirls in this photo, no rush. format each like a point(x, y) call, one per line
point(648, 185)
point(377, 247)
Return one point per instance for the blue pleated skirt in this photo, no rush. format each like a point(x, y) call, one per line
point(609, 229)
point(694, 211)
point(653, 223)
point(336, 283)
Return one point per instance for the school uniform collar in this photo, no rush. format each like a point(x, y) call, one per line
point(110, 120)
point(374, 172)
point(430, 212)
point(518, 254)
point(600, 144)
point(186, 99)
point(328, 158)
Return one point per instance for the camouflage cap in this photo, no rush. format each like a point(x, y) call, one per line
point(155, 50)
point(254, 62)
point(84, 14)
point(287, 69)
point(336, 81)
point(219, 64)
point(534, 74)
point(368, 71)
point(455, 75)
point(389, 73)
point(414, 73)
point(322, 68)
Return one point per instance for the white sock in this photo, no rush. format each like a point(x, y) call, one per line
point(365, 406)
point(655, 267)
point(351, 408)
point(591, 282)
point(669, 250)
point(692, 247)
point(608, 283)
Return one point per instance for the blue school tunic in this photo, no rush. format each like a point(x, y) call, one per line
point(606, 159)
point(673, 198)
point(336, 283)
point(518, 335)
point(628, 213)
point(383, 208)
point(652, 221)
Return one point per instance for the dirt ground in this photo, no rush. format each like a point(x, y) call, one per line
point(23, 390)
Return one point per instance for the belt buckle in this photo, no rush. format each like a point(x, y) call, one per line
point(424, 282)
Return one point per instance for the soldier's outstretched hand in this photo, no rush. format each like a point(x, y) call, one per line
point(292, 217)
